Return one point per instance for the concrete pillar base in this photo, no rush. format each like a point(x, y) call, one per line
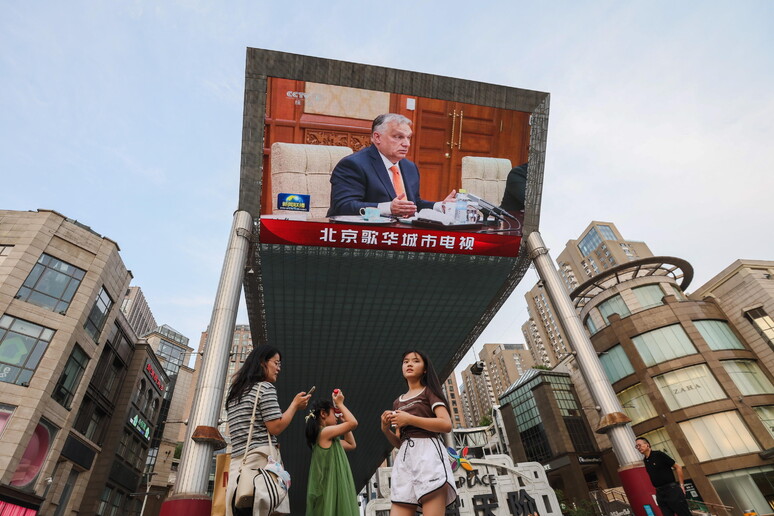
point(187, 504)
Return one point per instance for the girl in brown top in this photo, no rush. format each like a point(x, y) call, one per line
point(421, 474)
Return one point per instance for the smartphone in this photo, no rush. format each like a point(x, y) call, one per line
point(310, 391)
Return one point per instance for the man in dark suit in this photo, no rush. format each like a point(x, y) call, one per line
point(379, 175)
point(515, 188)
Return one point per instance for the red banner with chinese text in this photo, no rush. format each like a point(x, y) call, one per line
point(393, 237)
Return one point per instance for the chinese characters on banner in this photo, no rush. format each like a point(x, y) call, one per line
point(393, 237)
point(414, 241)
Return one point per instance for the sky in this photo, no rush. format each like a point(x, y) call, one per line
point(127, 116)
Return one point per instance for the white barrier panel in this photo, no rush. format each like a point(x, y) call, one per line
point(495, 487)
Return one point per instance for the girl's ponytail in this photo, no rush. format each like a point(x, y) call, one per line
point(312, 429)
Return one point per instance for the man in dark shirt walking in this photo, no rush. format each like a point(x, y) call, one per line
point(670, 495)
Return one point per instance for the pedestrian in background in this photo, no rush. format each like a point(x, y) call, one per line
point(661, 468)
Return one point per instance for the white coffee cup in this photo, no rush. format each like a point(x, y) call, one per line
point(370, 213)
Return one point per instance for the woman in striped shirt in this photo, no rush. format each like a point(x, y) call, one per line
point(259, 373)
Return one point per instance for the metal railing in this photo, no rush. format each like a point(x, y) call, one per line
point(708, 508)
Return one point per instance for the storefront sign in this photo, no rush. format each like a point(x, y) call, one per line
point(683, 388)
point(151, 372)
point(141, 426)
point(557, 463)
point(475, 480)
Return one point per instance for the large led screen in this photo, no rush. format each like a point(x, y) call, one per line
point(304, 114)
point(342, 300)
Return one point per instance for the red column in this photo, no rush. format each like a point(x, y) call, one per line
point(186, 505)
point(639, 491)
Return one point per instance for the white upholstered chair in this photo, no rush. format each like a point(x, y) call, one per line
point(485, 177)
point(305, 169)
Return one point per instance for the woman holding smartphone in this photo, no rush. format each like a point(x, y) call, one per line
point(257, 378)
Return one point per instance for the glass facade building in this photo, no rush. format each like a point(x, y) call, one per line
point(687, 378)
point(545, 423)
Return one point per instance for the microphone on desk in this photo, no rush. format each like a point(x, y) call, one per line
point(495, 210)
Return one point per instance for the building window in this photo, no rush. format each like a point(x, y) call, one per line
point(649, 295)
point(172, 354)
point(5, 250)
point(766, 415)
point(677, 292)
point(535, 442)
point(616, 364)
point(64, 498)
point(22, 345)
point(139, 393)
point(659, 440)
point(104, 499)
point(763, 323)
point(93, 425)
point(132, 451)
point(748, 377)
point(689, 386)
point(98, 314)
point(150, 461)
point(565, 399)
point(34, 455)
point(589, 242)
point(51, 284)
point(614, 305)
point(589, 322)
point(663, 344)
point(593, 264)
point(606, 232)
point(636, 404)
point(148, 407)
point(718, 335)
point(109, 373)
point(91, 421)
point(71, 376)
point(747, 489)
point(5, 415)
point(531, 430)
point(579, 435)
point(710, 439)
point(118, 500)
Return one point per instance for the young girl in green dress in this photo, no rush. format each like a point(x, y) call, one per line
point(331, 489)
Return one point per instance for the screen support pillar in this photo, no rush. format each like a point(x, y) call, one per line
point(202, 437)
point(614, 423)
